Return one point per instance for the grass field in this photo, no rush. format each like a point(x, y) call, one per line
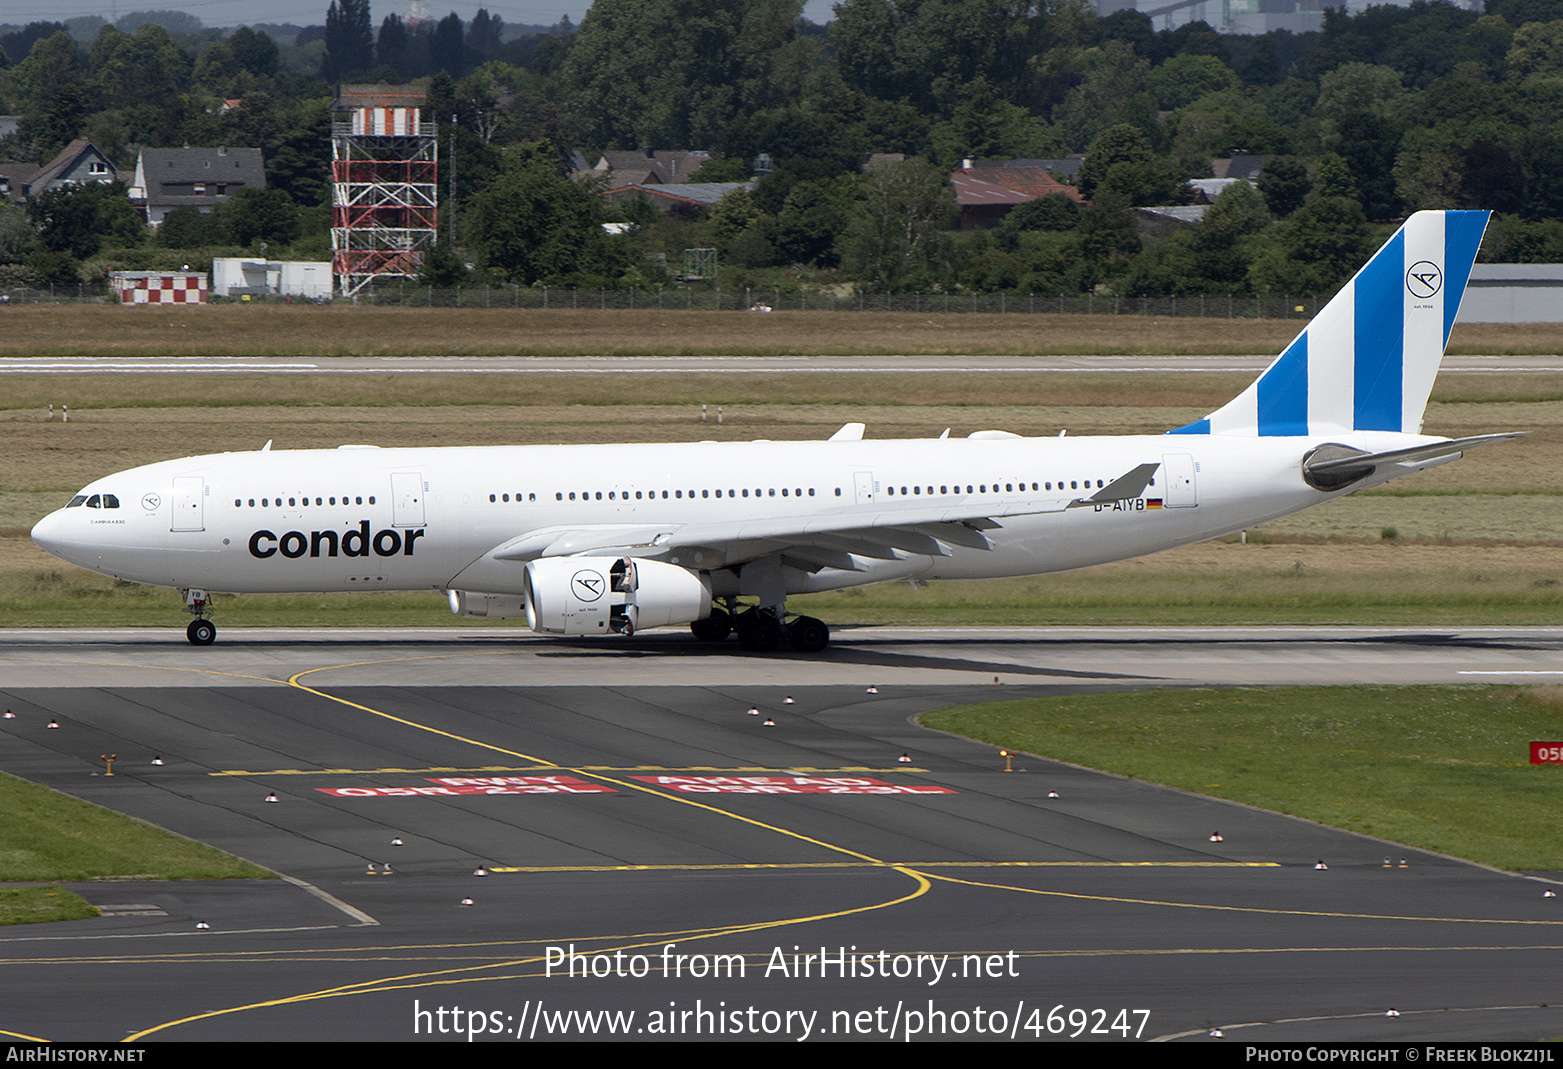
point(46, 835)
point(34, 905)
point(1443, 768)
point(339, 329)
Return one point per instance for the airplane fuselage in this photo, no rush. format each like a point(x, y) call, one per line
point(360, 518)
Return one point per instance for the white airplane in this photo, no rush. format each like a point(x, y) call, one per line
point(613, 539)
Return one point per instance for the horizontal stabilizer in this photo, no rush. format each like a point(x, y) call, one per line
point(1331, 467)
point(1124, 488)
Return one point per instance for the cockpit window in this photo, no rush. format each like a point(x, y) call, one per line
point(94, 502)
point(77, 501)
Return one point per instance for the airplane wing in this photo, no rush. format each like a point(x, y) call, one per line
point(820, 541)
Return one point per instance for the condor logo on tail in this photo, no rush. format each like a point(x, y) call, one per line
point(359, 543)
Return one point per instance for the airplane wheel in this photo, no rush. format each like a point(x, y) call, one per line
point(201, 632)
point(758, 632)
point(808, 635)
point(714, 628)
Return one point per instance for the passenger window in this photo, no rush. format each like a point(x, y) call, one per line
point(252, 502)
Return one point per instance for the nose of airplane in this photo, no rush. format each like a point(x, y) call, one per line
point(49, 532)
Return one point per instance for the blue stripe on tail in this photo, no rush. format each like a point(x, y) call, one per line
point(1283, 392)
point(1380, 338)
point(1462, 238)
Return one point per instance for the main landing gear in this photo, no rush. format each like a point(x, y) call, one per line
point(761, 631)
point(201, 632)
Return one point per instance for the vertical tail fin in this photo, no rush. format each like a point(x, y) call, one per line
point(1367, 361)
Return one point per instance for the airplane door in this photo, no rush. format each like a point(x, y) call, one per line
point(863, 484)
point(1177, 471)
point(189, 503)
point(406, 499)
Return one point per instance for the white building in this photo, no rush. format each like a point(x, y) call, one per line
point(237, 277)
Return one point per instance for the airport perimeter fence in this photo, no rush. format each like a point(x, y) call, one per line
point(405, 294)
point(1224, 306)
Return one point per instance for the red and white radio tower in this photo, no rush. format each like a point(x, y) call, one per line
point(384, 184)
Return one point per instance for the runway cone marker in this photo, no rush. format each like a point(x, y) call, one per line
point(53, 724)
point(396, 842)
point(1549, 893)
point(873, 690)
point(387, 871)
point(1392, 1012)
point(1403, 863)
point(202, 926)
point(466, 901)
point(769, 723)
point(905, 759)
point(157, 760)
point(1216, 1033)
point(787, 700)
point(754, 710)
point(370, 870)
point(272, 797)
point(1216, 837)
point(1052, 794)
point(480, 871)
point(1321, 866)
point(1387, 865)
point(10, 715)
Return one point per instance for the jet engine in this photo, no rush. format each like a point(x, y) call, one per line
point(611, 595)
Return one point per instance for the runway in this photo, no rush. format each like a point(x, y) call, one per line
point(623, 799)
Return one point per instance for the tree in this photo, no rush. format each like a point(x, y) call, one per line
point(667, 72)
point(895, 236)
point(78, 220)
point(187, 228)
point(1316, 250)
point(1115, 145)
point(1182, 80)
point(1285, 185)
point(349, 40)
point(1055, 212)
point(254, 214)
point(532, 223)
point(255, 51)
point(447, 47)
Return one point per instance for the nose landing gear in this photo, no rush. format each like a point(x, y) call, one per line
point(201, 632)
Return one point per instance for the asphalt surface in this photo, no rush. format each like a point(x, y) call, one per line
point(1106, 906)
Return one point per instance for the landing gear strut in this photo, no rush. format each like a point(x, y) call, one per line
point(201, 632)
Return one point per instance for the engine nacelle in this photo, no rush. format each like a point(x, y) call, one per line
point(611, 595)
